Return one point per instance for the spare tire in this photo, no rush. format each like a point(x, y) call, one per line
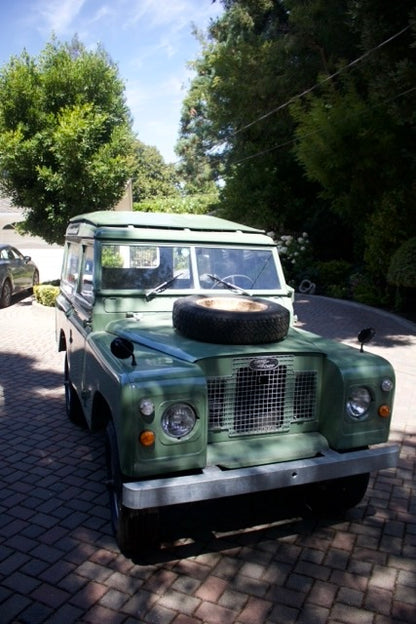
point(230, 320)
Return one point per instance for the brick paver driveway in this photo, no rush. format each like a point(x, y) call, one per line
point(257, 562)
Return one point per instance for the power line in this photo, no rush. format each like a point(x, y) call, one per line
point(304, 136)
point(318, 84)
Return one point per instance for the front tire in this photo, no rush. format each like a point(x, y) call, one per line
point(6, 294)
point(136, 531)
point(338, 495)
point(35, 278)
point(73, 406)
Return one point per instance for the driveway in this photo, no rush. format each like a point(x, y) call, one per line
point(258, 563)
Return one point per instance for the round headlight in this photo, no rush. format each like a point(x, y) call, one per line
point(178, 420)
point(358, 403)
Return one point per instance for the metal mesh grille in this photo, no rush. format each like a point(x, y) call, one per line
point(304, 401)
point(262, 395)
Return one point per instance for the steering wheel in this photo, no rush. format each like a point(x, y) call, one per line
point(238, 276)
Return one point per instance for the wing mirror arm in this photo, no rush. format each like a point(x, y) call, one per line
point(365, 336)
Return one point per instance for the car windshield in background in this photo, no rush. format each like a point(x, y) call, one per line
point(144, 267)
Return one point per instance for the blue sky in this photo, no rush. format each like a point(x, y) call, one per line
point(150, 40)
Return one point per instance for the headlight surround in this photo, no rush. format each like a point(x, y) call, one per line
point(178, 420)
point(358, 402)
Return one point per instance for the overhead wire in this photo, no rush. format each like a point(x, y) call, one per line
point(304, 136)
point(306, 92)
point(321, 82)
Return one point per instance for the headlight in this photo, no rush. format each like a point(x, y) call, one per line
point(358, 402)
point(178, 420)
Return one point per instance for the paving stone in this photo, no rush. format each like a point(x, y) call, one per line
point(36, 613)
point(215, 614)
point(323, 594)
point(211, 589)
point(256, 610)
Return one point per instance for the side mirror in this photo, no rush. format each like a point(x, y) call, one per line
point(123, 349)
point(365, 336)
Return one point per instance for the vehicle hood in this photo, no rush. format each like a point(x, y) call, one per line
point(166, 339)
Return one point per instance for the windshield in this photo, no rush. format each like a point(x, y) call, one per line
point(146, 267)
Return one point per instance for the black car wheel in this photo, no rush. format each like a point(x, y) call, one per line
point(73, 406)
point(337, 495)
point(136, 531)
point(6, 294)
point(35, 278)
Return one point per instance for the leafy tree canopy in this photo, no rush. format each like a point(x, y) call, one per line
point(305, 110)
point(152, 177)
point(66, 144)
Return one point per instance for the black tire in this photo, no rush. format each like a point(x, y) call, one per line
point(6, 294)
point(230, 320)
point(338, 495)
point(136, 531)
point(73, 406)
point(35, 278)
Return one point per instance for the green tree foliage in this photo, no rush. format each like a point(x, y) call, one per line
point(236, 122)
point(152, 177)
point(356, 134)
point(310, 122)
point(66, 144)
point(402, 269)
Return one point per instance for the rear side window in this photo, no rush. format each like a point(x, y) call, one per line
point(86, 284)
point(70, 271)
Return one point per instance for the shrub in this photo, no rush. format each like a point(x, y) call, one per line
point(46, 294)
point(402, 269)
point(365, 289)
point(334, 278)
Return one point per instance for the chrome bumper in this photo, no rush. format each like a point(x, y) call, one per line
point(213, 482)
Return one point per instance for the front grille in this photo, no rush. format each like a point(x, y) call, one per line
point(261, 395)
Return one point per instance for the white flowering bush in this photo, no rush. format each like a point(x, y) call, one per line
point(296, 256)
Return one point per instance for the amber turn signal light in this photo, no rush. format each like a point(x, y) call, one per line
point(384, 411)
point(147, 438)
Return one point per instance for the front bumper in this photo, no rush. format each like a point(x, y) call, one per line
point(213, 482)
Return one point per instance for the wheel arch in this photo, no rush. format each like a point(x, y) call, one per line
point(100, 413)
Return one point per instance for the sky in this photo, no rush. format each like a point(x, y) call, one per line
point(151, 42)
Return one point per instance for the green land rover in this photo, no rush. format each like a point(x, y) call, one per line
point(180, 342)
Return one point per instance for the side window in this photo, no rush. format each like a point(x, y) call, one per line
point(70, 271)
point(86, 282)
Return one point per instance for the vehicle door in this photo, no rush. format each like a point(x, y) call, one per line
point(20, 269)
point(81, 315)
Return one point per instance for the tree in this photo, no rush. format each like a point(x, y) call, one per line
point(66, 144)
point(235, 119)
point(356, 134)
point(152, 177)
point(308, 106)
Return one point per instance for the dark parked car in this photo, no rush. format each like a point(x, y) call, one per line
point(17, 273)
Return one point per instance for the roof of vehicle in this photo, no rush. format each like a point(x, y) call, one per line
point(163, 220)
point(188, 227)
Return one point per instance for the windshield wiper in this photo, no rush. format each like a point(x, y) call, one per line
point(228, 285)
point(161, 287)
